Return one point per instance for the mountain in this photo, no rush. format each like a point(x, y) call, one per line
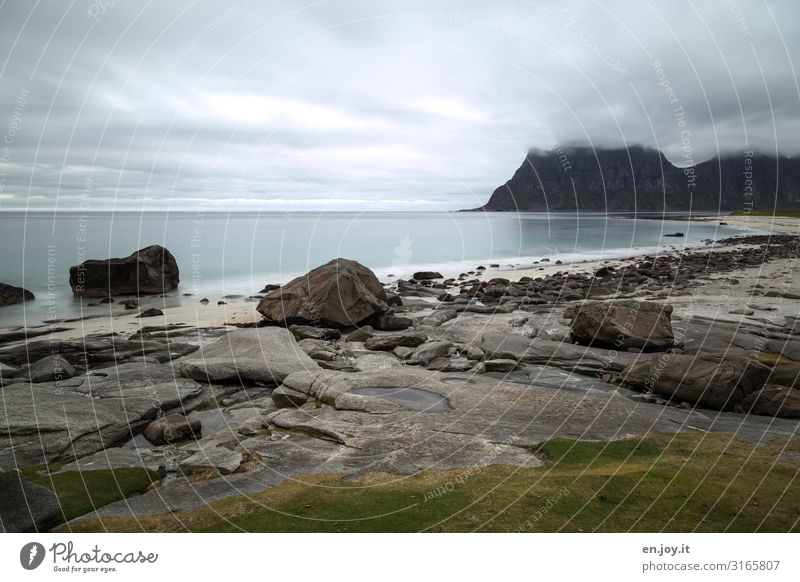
point(642, 179)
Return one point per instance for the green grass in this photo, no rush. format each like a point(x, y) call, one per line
point(788, 212)
point(81, 492)
point(773, 359)
point(678, 483)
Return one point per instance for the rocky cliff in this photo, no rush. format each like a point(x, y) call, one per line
point(640, 179)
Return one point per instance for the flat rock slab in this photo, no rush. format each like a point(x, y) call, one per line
point(51, 368)
point(489, 421)
point(124, 457)
point(377, 361)
point(213, 457)
point(265, 355)
point(480, 408)
point(40, 423)
point(567, 356)
point(94, 351)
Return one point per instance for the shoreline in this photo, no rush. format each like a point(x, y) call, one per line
point(241, 311)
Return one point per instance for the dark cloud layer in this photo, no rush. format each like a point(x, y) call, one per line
point(370, 104)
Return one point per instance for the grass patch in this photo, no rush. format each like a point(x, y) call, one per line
point(773, 359)
point(676, 483)
point(81, 492)
point(787, 212)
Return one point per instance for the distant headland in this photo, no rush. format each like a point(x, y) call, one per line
point(643, 179)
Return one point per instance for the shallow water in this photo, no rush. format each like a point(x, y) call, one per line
point(238, 253)
point(411, 398)
point(457, 381)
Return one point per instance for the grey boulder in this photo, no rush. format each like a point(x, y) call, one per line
point(339, 294)
point(426, 275)
point(10, 295)
point(172, 429)
point(51, 368)
point(772, 400)
point(429, 351)
point(409, 339)
point(623, 324)
point(713, 381)
point(151, 270)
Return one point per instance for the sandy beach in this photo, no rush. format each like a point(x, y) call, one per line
point(770, 224)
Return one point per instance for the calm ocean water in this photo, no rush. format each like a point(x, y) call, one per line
point(238, 253)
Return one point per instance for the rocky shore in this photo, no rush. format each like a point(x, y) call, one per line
point(336, 372)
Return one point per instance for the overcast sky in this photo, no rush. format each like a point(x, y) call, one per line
point(373, 104)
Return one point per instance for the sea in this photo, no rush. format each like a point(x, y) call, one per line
point(238, 253)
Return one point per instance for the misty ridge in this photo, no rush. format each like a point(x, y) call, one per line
point(638, 178)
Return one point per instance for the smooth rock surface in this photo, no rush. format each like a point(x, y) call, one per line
point(265, 355)
point(339, 294)
point(426, 275)
point(489, 421)
point(42, 423)
point(392, 323)
point(302, 332)
point(219, 458)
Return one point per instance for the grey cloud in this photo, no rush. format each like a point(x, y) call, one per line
point(381, 104)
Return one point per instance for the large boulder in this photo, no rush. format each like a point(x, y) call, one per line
point(172, 428)
point(151, 270)
point(623, 324)
point(9, 295)
point(712, 381)
point(51, 369)
point(772, 400)
point(426, 275)
point(341, 293)
point(96, 349)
